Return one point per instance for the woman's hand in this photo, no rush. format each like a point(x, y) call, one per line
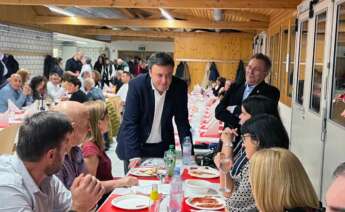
point(228, 135)
point(128, 181)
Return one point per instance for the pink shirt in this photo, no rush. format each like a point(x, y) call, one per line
point(104, 165)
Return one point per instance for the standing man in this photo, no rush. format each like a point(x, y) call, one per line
point(229, 108)
point(152, 101)
point(74, 64)
point(125, 78)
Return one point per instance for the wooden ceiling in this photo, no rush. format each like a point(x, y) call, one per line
point(142, 19)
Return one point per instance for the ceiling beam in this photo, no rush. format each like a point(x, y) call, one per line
point(50, 20)
point(177, 4)
point(151, 34)
point(114, 38)
point(127, 13)
point(248, 15)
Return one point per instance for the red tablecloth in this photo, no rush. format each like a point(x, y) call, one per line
point(185, 176)
point(107, 206)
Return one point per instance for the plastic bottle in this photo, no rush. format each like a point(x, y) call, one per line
point(187, 150)
point(176, 192)
point(171, 160)
point(154, 199)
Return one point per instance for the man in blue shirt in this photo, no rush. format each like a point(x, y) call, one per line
point(13, 91)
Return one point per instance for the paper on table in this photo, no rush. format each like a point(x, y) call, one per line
point(12, 107)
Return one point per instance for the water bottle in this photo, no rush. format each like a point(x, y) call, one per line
point(176, 192)
point(187, 150)
point(170, 160)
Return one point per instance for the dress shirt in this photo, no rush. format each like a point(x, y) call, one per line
point(21, 193)
point(156, 134)
point(123, 92)
point(247, 91)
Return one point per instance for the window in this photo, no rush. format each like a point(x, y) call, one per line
point(274, 53)
point(291, 60)
point(338, 87)
point(284, 63)
point(318, 62)
point(302, 62)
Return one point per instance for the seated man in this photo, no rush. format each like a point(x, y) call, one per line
point(74, 164)
point(335, 198)
point(92, 92)
point(12, 91)
point(125, 78)
point(27, 181)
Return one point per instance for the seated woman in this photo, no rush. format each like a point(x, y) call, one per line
point(277, 175)
point(73, 85)
point(54, 88)
point(38, 86)
point(96, 160)
point(260, 132)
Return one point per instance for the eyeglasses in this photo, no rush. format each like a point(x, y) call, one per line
point(253, 137)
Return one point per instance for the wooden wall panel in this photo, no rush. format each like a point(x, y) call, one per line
point(225, 50)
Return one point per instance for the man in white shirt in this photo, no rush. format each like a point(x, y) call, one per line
point(125, 78)
point(27, 180)
point(153, 100)
point(54, 88)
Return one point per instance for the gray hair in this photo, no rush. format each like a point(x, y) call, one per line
point(89, 82)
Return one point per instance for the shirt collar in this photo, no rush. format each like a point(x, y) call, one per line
point(21, 169)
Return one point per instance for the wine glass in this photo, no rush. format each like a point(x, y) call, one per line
point(225, 164)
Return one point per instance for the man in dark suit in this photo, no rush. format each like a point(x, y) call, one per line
point(153, 99)
point(229, 108)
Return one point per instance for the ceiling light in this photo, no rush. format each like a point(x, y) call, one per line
point(60, 11)
point(166, 14)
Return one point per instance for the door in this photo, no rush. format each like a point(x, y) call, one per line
point(335, 125)
point(308, 105)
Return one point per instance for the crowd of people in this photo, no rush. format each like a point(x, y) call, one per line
point(61, 162)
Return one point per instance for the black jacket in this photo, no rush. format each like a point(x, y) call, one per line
point(233, 97)
point(138, 118)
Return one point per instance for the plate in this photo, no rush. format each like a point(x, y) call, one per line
point(131, 202)
point(203, 172)
point(144, 171)
point(206, 202)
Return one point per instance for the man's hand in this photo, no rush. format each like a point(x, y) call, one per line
point(128, 181)
point(134, 163)
point(86, 192)
point(26, 90)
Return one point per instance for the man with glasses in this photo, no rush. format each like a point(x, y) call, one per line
point(152, 101)
point(229, 108)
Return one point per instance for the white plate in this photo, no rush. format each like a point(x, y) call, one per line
point(131, 202)
point(207, 172)
point(220, 201)
point(143, 172)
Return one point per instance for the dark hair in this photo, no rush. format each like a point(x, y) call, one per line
point(35, 81)
point(268, 130)
point(222, 81)
point(258, 104)
point(74, 80)
point(340, 170)
point(264, 58)
point(48, 65)
point(40, 133)
point(160, 58)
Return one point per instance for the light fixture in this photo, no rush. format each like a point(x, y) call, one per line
point(166, 14)
point(60, 10)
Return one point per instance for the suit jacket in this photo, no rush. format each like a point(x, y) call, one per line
point(138, 118)
point(233, 97)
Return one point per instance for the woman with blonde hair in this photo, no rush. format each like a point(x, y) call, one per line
point(96, 160)
point(280, 183)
